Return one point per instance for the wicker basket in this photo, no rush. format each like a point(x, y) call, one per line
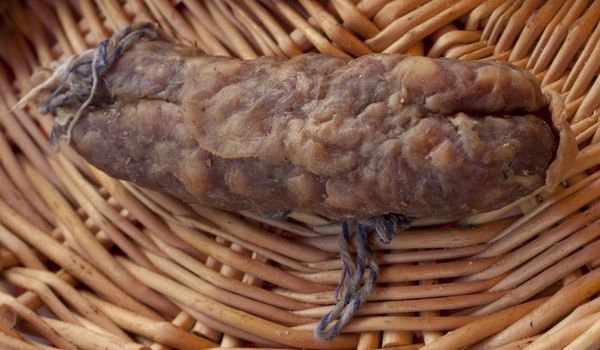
point(98, 263)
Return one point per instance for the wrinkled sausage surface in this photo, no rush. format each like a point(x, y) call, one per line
point(344, 138)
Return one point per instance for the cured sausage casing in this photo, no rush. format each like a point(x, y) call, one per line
point(344, 138)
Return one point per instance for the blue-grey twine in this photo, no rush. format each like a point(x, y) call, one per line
point(81, 78)
point(351, 292)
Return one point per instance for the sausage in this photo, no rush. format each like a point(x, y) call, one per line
point(344, 138)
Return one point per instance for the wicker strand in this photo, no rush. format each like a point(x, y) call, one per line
point(74, 298)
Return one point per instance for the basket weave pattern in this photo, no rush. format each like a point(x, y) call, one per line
point(91, 262)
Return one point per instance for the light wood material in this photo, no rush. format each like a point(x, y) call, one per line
point(119, 267)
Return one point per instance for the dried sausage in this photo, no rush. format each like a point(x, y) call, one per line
point(344, 138)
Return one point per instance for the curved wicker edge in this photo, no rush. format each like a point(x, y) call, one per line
point(129, 260)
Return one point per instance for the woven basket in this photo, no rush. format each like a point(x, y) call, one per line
point(99, 263)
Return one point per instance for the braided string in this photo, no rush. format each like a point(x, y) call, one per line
point(352, 292)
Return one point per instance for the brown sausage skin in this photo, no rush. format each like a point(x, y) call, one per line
point(347, 139)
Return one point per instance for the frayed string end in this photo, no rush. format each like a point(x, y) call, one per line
point(78, 77)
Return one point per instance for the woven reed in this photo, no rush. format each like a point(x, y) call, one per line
point(95, 263)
